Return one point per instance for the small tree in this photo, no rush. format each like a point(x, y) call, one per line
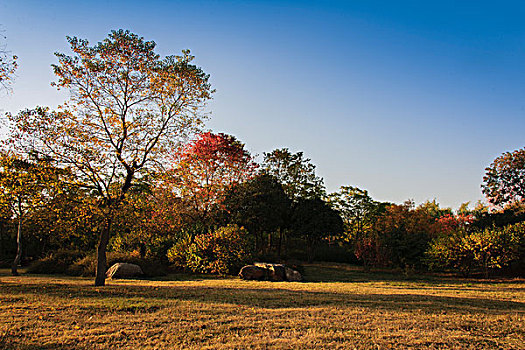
point(399, 237)
point(128, 109)
point(223, 251)
point(25, 186)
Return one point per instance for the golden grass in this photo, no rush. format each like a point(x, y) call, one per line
point(342, 308)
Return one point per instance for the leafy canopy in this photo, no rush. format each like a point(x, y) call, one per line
point(128, 108)
point(504, 180)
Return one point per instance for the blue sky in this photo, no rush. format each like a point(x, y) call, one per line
point(408, 99)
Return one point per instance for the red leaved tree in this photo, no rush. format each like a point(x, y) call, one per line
point(202, 170)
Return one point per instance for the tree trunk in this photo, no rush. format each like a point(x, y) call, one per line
point(310, 250)
point(100, 278)
point(18, 257)
point(280, 243)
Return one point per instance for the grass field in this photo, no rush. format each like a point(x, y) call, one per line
point(339, 307)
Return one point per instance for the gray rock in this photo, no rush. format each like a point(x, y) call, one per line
point(251, 272)
point(293, 275)
point(273, 272)
point(124, 270)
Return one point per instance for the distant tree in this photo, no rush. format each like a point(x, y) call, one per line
point(399, 237)
point(504, 180)
point(449, 224)
point(204, 169)
point(433, 209)
point(295, 173)
point(358, 210)
point(128, 109)
point(464, 209)
point(313, 219)
point(261, 206)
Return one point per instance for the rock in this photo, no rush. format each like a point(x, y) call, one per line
point(251, 272)
point(293, 275)
point(273, 272)
point(124, 270)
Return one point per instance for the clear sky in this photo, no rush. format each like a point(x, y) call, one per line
point(408, 99)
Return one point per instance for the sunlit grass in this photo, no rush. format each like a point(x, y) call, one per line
point(340, 307)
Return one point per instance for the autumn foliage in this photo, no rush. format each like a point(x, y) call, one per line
point(202, 170)
point(124, 166)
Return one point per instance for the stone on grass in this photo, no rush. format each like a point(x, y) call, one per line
point(251, 272)
point(261, 271)
point(293, 275)
point(124, 270)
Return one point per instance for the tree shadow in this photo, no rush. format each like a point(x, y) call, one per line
point(144, 298)
point(328, 272)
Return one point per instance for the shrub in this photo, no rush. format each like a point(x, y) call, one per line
point(178, 253)
point(223, 251)
point(489, 249)
point(449, 251)
point(56, 262)
point(87, 265)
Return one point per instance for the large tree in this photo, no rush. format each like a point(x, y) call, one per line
point(128, 108)
point(504, 180)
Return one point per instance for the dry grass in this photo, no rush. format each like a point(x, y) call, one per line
point(341, 308)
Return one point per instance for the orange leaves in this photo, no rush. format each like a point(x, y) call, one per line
point(128, 108)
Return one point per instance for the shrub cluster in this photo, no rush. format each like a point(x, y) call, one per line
point(481, 250)
point(223, 251)
point(76, 263)
point(58, 261)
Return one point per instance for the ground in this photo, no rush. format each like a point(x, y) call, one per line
point(340, 307)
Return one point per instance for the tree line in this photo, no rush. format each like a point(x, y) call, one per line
point(125, 165)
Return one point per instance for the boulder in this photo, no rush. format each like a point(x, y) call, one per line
point(124, 270)
point(293, 275)
point(251, 272)
point(276, 272)
point(272, 272)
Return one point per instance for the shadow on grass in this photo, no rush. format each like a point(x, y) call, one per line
point(333, 272)
point(144, 298)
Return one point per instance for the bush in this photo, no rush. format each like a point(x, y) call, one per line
point(486, 250)
point(56, 262)
point(87, 266)
point(178, 253)
point(223, 251)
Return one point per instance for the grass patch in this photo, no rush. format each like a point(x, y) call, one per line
point(338, 307)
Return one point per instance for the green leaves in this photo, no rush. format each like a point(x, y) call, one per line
point(295, 173)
